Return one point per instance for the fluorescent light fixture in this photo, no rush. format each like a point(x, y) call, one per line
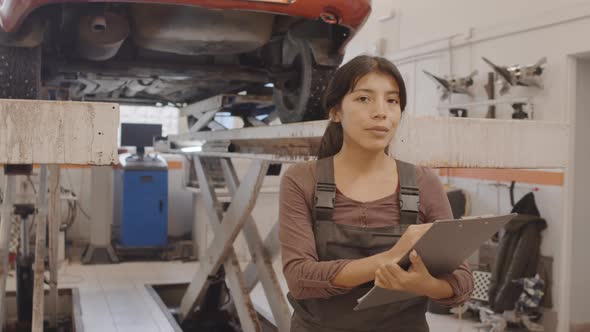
point(269, 85)
point(192, 149)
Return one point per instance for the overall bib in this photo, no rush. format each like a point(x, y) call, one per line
point(335, 241)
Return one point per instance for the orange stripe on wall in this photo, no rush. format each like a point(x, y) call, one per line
point(67, 166)
point(172, 165)
point(506, 175)
point(175, 164)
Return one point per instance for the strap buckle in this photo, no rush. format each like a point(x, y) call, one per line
point(325, 195)
point(409, 199)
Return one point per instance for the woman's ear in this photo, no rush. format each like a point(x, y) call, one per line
point(334, 115)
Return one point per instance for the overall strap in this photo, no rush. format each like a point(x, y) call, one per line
point(325, 190)
point(409, 193)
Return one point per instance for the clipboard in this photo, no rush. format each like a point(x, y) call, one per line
point(443, 248)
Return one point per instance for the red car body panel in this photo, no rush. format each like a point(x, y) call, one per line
point(351, 13)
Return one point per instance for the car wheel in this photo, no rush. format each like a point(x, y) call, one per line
point(20, 72)
point(298, 98)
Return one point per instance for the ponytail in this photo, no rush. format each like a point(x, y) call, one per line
point(331, 141)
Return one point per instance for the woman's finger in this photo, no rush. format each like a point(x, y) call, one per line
point(383, 280)
point(417, 263)
point(389, 271)
point(379, 281)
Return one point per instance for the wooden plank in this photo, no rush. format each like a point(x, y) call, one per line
point(57, 132)
point(262, 259)
point(428, 141)
point(6, 223)
point(54, 223)
point(545, 178)
point(39, 265)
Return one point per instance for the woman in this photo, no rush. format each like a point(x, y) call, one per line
point(341, 225)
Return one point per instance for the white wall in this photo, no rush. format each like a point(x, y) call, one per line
point(449, 38)
point(419, 22)
point(423, 20)
point(580, 296)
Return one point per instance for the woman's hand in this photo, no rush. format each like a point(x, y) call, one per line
point(416, 280)
point(405, 243)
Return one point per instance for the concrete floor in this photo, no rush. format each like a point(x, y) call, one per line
point(114, 297)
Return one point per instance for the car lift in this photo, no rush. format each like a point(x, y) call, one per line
point(450, 142)
point(49, 134)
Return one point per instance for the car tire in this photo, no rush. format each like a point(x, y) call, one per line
point(299, 99)
point(20, 72)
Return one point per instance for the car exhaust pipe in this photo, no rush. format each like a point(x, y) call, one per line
point(99, 24)
point(100, 37)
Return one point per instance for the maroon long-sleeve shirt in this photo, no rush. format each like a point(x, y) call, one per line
point(309, 278)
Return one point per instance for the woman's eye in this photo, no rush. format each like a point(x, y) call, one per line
point(393, 101)
point(363, 99)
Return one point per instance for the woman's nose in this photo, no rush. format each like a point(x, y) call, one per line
point(380, 109)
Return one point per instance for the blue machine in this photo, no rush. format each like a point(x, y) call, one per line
point(141, 191)
point(141, 202)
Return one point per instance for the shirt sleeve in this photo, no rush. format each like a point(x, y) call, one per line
point(435, 206)
point(306, 276)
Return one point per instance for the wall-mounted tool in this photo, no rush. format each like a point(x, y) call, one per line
point(518, 75)
point(491, 92)
point(519, 112)
point(459, 112)
point(448, 86)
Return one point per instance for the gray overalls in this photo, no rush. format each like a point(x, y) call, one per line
point(335, 241)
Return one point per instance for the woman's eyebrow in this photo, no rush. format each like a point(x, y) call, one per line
point(372, 91)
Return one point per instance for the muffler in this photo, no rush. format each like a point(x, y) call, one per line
point(100, 36)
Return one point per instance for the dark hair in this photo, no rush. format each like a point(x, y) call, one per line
point(343, 81)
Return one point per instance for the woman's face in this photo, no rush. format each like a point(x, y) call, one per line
point(370, 113)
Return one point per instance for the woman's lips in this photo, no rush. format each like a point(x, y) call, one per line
point(379, 130)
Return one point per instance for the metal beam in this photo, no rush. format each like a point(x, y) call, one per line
point(57, 132)
point(39, 270)
point(234, 278)
point(101, 212)
point(302, 130)
point(237, 214)
point(272, 246)
point(221, 101)
point(54, 223)
point(221, 249)
point(426, 141)
point(39, 265)
point(203, 121)
point(199, 108)
point(6, 223)
point(260, 256)
point(134, 70)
